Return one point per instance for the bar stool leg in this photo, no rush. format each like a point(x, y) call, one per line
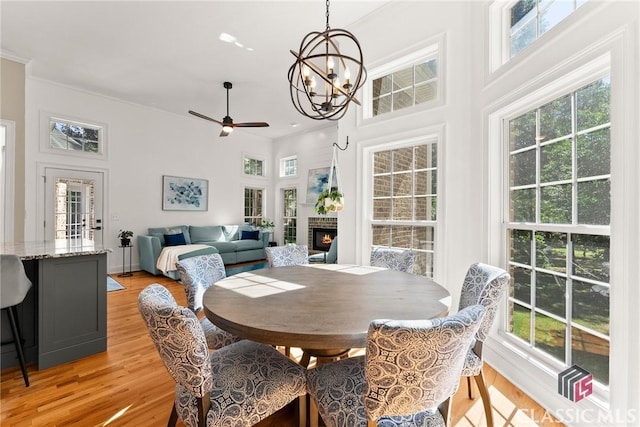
point(13, 321)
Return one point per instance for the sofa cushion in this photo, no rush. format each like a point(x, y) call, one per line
point(225, 247)
point(174, 239)
point(247, 244)
point(250, 235)
point(234, 232)
point(159, 232)
point(206, 233)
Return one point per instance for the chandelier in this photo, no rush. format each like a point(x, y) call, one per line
point(327, 73)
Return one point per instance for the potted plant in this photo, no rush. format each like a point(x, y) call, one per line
point(125, 237)
point(329, 201)
point(266, 224)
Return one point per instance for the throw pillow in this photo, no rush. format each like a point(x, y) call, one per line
point(174, 239)
point(250, 235)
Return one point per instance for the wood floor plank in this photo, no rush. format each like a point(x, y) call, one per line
point(129, 386)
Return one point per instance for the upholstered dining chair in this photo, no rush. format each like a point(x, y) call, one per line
point(282, 256)
point(395, 259)
point(484, 284)
point(238, 385)
point(329, 257)
point(197, 274)
point(407, 376)
point(14, 285)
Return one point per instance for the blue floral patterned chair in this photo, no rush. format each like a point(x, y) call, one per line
point(197, 274)
point(395, 259)
point(282, 256)
point(410, 371)
point(237, 385)
point(484, 285)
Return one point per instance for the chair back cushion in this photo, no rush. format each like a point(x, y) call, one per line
point(197, 274)
point(332, 254)
point(414, 365)
point(282, 256)
point(484, 285)
point(14, 283)
point(395, 259)
point(179, 339)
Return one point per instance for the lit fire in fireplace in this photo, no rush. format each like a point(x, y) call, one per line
point(326, 239)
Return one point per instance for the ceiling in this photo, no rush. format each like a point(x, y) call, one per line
point(168, 55)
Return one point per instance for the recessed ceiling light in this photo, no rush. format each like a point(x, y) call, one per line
point(227, 38)
point(293, 125)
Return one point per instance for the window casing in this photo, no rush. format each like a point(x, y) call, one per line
point(410, 80)
point(516, 25)
point(288, 166)
point(253, 205)
point(557, 228)
point(404, 201)
point(290, 215)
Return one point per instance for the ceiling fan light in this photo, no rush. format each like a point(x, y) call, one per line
point(227, 129)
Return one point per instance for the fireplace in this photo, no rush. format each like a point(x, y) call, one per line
point(322, 238)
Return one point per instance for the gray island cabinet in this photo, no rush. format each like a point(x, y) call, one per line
point(64, 316)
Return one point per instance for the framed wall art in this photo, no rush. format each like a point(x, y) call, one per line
point(317, 182)
point(184, 194)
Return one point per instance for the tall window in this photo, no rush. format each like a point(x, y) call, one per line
point(74, 136)
point(530, 19)
point(253, 166)
point(405, 201)
point(558, 228)
point(405, 88)
point(289, 166)
point(253, 205)
point(290, 217)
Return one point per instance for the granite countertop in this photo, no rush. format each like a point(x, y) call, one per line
point(51, 249)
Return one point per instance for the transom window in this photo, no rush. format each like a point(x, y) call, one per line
point(253, 166)
point(289, 166)
point(406, 87)
point(405, 201)
point(530, 19)
point(75, 136)
point(558, 230)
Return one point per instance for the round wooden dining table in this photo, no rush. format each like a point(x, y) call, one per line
point(325, 309)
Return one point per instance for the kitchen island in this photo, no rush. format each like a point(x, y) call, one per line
point(64, 316)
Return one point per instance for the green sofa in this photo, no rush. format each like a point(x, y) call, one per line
point(227, 240)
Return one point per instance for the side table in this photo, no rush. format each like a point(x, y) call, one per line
point(126, 273)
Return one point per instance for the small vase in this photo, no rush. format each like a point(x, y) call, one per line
point(125, 242)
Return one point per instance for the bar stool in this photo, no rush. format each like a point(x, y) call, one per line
point(14, 285)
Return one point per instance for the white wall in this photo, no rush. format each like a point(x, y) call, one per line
point(313, 150)
point(458, 242)
point(143, 144)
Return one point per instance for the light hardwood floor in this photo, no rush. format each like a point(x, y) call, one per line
point(129, 386)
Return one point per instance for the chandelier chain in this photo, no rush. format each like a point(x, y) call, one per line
point(327, 15)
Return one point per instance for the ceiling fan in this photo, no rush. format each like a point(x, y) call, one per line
point(227, 122)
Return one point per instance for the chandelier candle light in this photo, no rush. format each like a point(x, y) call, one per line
point(323, 56)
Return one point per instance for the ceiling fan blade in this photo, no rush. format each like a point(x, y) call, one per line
point(223, 133)
point(202, 116)
point(251, 125)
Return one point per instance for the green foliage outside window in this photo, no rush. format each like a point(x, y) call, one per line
point(559, 177)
